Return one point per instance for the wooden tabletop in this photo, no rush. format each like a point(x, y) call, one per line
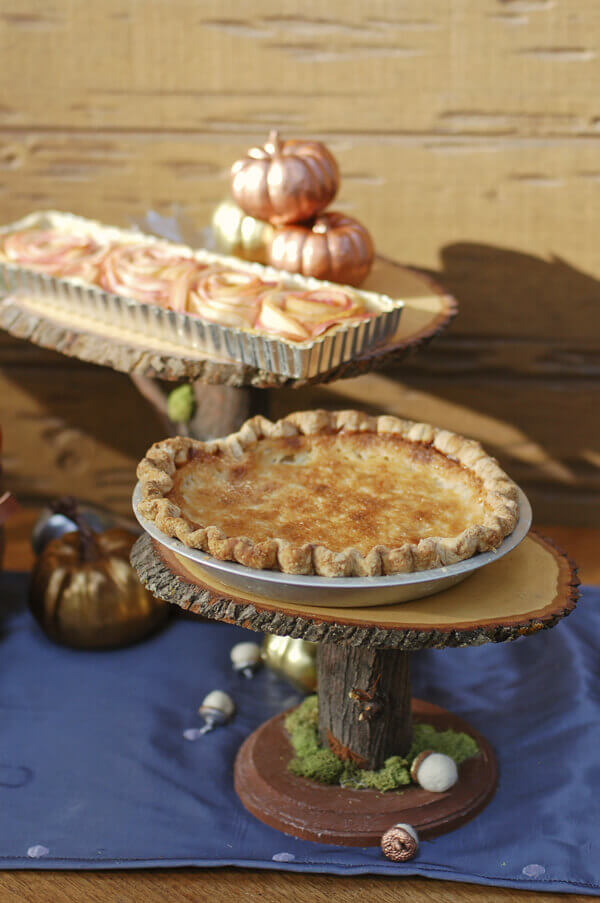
point(233, 885)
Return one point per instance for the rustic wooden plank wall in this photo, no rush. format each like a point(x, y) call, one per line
point(468, 136)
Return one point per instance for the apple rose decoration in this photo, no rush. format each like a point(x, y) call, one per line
point(285, 181)
point(228, 297)
point(54, 252)
point(148, 273)
point(301, 316)
point(334, 247)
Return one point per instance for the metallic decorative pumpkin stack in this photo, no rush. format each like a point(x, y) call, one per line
point(281, 191)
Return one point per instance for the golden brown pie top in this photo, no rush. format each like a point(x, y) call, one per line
point(357, 489)
point(335, 494)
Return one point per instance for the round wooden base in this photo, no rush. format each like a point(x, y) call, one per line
point(312, 811)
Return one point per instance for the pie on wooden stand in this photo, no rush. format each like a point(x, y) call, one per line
point(343, 495)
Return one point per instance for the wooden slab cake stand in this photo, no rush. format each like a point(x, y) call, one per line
point(221, 407)
point(365, 706)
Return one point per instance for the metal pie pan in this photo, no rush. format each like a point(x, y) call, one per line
point(339, 592)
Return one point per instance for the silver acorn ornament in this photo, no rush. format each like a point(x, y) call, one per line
point(217, 709)
point(246, 658)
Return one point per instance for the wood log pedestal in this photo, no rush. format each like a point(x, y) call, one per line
point(365, 708)
point(364, 703)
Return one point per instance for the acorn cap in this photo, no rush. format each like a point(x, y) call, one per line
point(400, 843)
point(416, 764)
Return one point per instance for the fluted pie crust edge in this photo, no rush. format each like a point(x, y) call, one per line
point(156, 475)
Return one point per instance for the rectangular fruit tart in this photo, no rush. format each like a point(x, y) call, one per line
point(200, 300)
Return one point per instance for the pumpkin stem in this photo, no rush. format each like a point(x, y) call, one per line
point(275, 141)
point(88, 546)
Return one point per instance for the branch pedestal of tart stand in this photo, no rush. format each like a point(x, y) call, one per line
point(365, 709)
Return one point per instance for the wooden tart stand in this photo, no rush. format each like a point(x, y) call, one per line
point(365, 707)
point(221, 407)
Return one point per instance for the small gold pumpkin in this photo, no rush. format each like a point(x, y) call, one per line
point(85, 593)
point(239, 234)
point(295, 660)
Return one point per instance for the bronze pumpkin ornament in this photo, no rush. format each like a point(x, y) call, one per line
point(285, 181)
point(335, 247)
point(85, 593)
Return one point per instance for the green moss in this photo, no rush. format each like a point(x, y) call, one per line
point(317, 763)
point(320, 766)
point(452, 743)
point(181, 404)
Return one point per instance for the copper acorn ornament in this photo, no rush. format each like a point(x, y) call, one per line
point(400, 843)
point(433, 771)
point(85, 593)
point(334, 247)
point(285, 181)
point(239, 234)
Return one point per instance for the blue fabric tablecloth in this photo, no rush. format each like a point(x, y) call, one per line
point(95, 772)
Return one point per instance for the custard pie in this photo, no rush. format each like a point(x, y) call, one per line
point(339, 494)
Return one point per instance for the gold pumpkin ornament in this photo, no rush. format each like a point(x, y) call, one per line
point(85, 593)
point(285, 181)
point(239, 234)
point(293, 659)
point(334, 247)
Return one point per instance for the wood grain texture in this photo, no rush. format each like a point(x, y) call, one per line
point(467, 136)
point(62, 437)
point(229, 886)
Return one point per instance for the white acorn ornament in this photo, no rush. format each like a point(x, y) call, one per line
point(400, 843)
point(245, 657)
point(216, 709)
point(433, 771)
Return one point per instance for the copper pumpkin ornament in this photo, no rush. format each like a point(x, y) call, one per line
point(85, 593)
point(335, 247)
point(285, 181)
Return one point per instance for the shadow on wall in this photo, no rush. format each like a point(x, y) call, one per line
point(525, 352)
point(506, 293)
